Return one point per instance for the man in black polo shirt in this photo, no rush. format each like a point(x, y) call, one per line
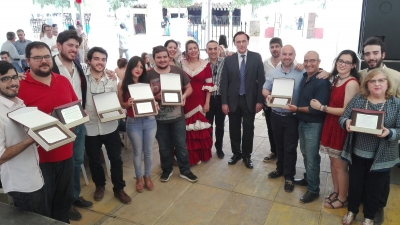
point(311, 121)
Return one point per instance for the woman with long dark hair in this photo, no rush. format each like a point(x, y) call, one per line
point(172, 47)
point(141, 131)
point(146, 59)
point(198, 129)
point(345, 86)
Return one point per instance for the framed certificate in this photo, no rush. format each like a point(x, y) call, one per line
point(46, 130)
point(144, 103)
point(108, 107)
point(71, 114)
point(367, 121)
point(282, 92)
point(171, 89)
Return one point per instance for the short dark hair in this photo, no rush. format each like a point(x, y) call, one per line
point(20, 30)
point(121, 63)
point(68, 34)
point(5, 53)
point(222, 41)
point(96, 49)
point(159, 49)
point(71, 27)
point(211, 41)
point(35, 44)
point(169, 41)
point(374, 41)
point(239, 33)
point(5, 67)
point(44, 27)
point(54, 25)
point(10, 35)
point(122, 25)
point(275, 40)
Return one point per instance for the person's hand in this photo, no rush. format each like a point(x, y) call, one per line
point(158, 97)
point(130, 101)
point(385, 132)
point(183, 99)
point(206, 108)
point(348, 122)
point(225, 109)
point(315, 104)
point(148, 68)
point(111, 74)
point(22, 75)
point(292, 108)
point(299, 67)
point(229, 53)
point(259, 106)
point(323, 74)
point(157, 106)
point(268, 99)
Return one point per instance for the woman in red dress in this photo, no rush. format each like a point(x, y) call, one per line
point(345, 86)
point(198, 129)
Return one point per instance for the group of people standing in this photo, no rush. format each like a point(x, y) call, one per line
point(239, 85)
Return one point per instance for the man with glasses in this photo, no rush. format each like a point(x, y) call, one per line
point(216, 63)
point(98, 133)
point(50, 40)
point(311, 121)
point(21, 177)
point(47, 90)
point(65, 63)
point(374, 51)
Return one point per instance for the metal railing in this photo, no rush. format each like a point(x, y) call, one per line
point(216, 20)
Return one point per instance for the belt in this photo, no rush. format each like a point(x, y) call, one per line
point(284, 113)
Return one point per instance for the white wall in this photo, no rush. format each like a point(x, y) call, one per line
point(15, 15)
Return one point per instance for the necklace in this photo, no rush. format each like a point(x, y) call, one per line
point(383, 105)
point(340, 79)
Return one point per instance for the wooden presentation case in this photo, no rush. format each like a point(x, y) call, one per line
point(38, 121)
point(282, 89)
point(378, 127)
point(141, 93)
point(108, 107)
point(171, 84)
point(58, 113)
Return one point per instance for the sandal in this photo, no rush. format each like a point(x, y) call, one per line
point(329, 198)
point(336, 200)
point(348, 218)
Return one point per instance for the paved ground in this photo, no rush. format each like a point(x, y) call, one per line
point(224, 194)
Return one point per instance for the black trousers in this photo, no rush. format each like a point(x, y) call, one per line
point(362, 180)
point(286, 136)
point(112, 142)
point(241, 116)
point(386, 190)
point(267, 113)
point(216, 112)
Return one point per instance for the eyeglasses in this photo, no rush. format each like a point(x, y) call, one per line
point(310, 61)
point(8, 79)
point(380, 81)
point(97, 88)
point(346, 63)
point(40, 58)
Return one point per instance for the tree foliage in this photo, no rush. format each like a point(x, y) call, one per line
point(56, 3)
point(116, 4)
point(254, 3)
point(175, 3)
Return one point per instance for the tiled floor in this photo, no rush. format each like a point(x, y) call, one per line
point(224, 194)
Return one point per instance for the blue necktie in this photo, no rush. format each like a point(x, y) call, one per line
point(242, 90)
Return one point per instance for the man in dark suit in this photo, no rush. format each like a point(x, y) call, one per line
point(241, 86)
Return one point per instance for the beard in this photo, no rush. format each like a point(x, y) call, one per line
point(94, 68)
point(66, 56)
point(42, 72)
point(8, 95)
point(165, 67)
point(378, 64)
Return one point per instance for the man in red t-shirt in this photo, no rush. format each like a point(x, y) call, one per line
point(47, 90)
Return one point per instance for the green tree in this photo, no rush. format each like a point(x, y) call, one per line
point(116, 4)
point(255, 4)
point(56, 3)
point(176, 3)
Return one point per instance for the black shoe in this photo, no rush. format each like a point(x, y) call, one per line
point(165, 176)
point(300, 182)
point(270, 157)
point(309, 197)
point(289, 186)
point(274, 174)
point(233, 160)
point(189, 176)
point(379, 216)
point(74, 214)
point(82, 203)
point(220, 154)
point(248, 163)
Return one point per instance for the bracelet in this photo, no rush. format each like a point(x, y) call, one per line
point(320, 107)
point(297, 109)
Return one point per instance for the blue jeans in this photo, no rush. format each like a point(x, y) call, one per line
point(142, 134)
point(177, 132)
point(78, 157)
point(310, 136)
point(58, 184)
point(32, 201)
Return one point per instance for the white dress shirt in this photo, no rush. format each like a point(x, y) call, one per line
point(50, 42)
point(75, 80)
point(21, 173)
point(94, 127)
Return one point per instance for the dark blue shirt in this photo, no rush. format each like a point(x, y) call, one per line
point(313, 88)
